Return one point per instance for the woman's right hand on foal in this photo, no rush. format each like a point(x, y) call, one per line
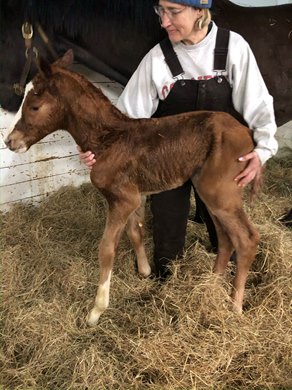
point(86, 158)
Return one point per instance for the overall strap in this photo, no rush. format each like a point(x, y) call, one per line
point(220, 53)
point(171, 57)
point(221, 49)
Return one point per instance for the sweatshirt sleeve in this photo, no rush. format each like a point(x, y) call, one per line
point(140, 98)
point(251, 98)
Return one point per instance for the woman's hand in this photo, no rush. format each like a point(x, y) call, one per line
point(86, 158)
point(252, 169)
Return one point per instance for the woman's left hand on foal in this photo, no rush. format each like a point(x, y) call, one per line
point(252, 169)
point(86, 158)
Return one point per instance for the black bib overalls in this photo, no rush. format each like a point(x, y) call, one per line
point(170, 209)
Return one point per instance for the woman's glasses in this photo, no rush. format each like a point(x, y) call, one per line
point(170, 12)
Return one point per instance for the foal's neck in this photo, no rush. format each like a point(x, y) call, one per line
point(90, 114)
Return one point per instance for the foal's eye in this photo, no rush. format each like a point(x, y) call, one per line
point(34, 108)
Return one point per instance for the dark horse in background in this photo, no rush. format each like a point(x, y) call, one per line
point(112, 36)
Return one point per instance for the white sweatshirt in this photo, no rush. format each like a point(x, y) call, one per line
point(153, 80)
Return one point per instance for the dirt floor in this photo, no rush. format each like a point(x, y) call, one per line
point(180, 334)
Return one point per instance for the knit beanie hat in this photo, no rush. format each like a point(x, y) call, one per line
point(195, 3)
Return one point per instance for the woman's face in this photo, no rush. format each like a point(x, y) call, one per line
point(178, 20)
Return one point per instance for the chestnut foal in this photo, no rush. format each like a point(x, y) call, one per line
point(138, 157)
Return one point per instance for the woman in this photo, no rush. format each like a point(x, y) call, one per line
point(199, 66)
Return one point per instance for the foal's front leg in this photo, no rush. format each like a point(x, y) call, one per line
point(116, 221)
point(135, 231)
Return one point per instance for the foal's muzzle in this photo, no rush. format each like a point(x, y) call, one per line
point(15, 143)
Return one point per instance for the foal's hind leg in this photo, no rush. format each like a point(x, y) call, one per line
point(225, 203)
point(245, 239)
point(118, 214)
point(135, 231)
point(225, 247)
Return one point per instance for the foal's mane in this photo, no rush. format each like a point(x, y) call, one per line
point(95, 94)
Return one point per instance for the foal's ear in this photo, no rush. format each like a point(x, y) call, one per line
point(66, 60)
point(44, 68)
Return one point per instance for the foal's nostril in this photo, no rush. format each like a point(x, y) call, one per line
point(8, 142)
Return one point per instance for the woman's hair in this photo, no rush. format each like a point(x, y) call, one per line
point(205, 19)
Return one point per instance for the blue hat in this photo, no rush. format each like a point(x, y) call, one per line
point(195, 3)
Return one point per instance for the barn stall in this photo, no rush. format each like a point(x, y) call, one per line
point(177, 335)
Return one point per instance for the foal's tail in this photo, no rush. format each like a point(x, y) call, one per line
point(256, 185)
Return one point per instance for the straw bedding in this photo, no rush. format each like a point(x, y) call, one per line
point(180, 334)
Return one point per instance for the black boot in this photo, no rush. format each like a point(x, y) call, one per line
point(286, 219)
point(203, 213)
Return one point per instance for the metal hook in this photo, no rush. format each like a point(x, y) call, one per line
point(34, 51)
point(27, 30)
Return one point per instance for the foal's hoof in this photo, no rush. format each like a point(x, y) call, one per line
point(145, 272)
point(93, 317)
point(236, 308)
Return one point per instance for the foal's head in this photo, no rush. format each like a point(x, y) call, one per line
point(42, 110)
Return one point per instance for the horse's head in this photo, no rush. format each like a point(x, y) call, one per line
point(42, 111)
point(17, 62)
point(12, 62)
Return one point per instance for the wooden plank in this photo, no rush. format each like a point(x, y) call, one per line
point(5, 119)
point(42, 169)
point(111, 90)
point(38, 188)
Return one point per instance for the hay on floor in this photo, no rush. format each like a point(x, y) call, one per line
point(177, 335)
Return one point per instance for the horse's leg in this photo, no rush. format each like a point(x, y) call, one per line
point(118, 214)
point(225, 203)
point(135, 231)
point(225, 247)
point(245, 240)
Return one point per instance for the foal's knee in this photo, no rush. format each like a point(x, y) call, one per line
point(245, 257)
point(251, 243)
